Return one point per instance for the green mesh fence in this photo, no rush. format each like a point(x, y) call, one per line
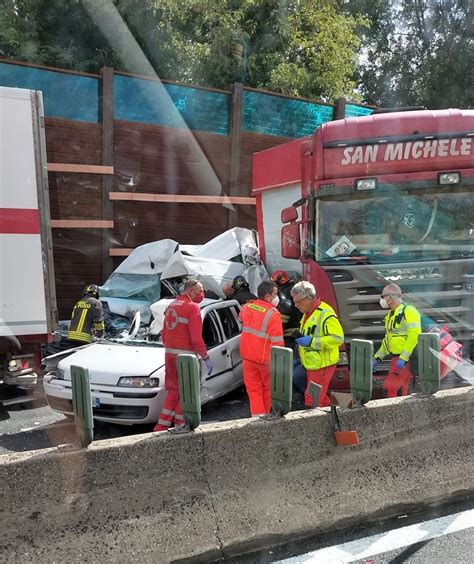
point(67, 96)
point(172, 105)
point(284, 117)
point(353, 110)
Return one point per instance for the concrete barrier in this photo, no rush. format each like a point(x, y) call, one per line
point(232, 487)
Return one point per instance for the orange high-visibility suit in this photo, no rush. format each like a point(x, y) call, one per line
point(182, 333)
point(262, 329)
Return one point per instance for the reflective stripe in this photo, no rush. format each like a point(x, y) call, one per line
point(178, 351)
point(406, 354)
point(413, 325)
point(82, 319)
point(164, 422)
point(266, 320)
point(99, 326)
point(167, 412)
point(261, 334)
point(179, 417)
point(183, 320)
point(254, 332)
point(77, 336)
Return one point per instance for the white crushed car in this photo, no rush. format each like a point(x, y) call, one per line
point(127, 375)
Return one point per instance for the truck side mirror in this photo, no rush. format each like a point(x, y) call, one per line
point(289, 214)
point(290, 234)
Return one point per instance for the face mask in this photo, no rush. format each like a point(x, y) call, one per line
point(383, 303)
point(275, 301)
point(198, 298)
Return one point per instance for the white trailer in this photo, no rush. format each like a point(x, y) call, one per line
point(27, 291)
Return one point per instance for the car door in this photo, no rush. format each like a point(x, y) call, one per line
point(228, 314)
point(213, 385)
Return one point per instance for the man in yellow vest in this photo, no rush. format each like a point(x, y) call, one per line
point(322, 337)
point(402, 327)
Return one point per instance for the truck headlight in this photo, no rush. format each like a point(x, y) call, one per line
point(139, 382)
point(449, 178)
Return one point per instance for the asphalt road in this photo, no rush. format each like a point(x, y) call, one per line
point(28, 423)
point(428, 535)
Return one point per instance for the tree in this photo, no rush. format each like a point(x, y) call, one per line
point(417, 52)
point(300, 47)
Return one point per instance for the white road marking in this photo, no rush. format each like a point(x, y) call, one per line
point(385, 542)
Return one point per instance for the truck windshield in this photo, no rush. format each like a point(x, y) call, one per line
point(398, 227)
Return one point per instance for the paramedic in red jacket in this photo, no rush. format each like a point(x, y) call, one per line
point(182, 333)
point(262, 329)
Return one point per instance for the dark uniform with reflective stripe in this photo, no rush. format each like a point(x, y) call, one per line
point(290, 316)
point(87, 318)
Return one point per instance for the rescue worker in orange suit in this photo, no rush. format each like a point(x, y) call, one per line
point(402, 327)
point(290, 316)
point(322, 335)
point(87, 318)
point(242, 291)
point(181, 334)
point(262, 329)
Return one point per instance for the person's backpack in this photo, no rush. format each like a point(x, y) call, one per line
point(450, 354)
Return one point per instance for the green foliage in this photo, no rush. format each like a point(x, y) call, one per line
point(299, 47)
point(417, 52)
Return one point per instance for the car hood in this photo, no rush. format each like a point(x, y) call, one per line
point(107, 362)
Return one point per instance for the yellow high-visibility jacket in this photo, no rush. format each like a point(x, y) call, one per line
point(328, 336)
point(402, 327)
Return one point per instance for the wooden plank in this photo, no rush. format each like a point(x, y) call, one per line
point(82, 224)
point(120, 252)
point(181, 199)
point(82, 168)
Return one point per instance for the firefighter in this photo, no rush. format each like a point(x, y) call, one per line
point(242, 291)
point(87, 319)
point(290, 316)
point(322, 337)
point(182, 333)
point(261, 330)
point(228, 291)
point(402, 327)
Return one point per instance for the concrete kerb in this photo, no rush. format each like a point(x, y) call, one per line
point(237, 486)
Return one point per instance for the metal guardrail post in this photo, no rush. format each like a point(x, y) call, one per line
point(281, 381)
point(190, 393)
point(361, 356)
point(428, 362)
point(82, 405)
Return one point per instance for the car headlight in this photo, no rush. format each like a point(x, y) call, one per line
point(139, 382)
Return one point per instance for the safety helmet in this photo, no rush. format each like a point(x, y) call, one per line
point(239, 282)
point(92, 289)
point(280, 277)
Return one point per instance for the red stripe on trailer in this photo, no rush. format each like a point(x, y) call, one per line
point(19, 221)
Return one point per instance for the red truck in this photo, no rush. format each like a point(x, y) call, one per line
point(372, 200)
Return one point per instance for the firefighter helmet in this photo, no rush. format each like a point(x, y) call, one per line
point(280, 277)
point(239, 282)
point(92, 289)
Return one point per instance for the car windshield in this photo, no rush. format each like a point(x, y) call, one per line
point(397, 227)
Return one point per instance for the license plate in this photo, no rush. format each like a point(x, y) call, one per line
point(95, 402)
